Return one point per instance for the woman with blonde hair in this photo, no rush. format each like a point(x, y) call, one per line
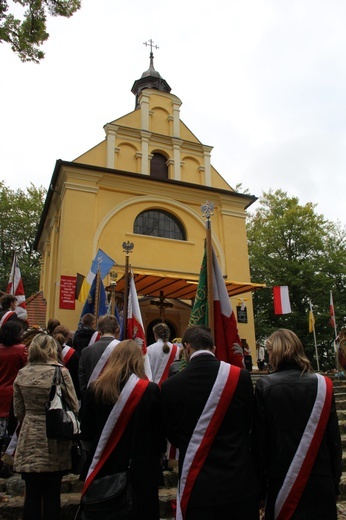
point(123, 386)
point(41, 461)
point(296, 438)
point(162, 353)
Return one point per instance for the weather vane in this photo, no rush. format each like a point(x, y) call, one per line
point(150, 44)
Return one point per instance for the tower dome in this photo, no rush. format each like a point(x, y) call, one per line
point(150, 78)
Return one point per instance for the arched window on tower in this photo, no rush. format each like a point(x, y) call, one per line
point(158, 166)
point(158, 223)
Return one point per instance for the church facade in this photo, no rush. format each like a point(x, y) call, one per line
point(144, 184)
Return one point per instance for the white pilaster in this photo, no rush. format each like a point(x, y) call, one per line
point(176, 118)
point(207, 166)
point(111, 132)
point(145, 136)
point(176, 158)
point(144, 103)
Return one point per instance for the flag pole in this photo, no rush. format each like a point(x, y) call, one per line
point(12, 272)
point(313, 330)
point(127, 249)
point(335, 332)
point(207, 212)
point(97, 295)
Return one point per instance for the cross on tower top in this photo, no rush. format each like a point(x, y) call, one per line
point(151, 44)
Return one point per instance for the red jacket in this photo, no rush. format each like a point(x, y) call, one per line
point(12, 359)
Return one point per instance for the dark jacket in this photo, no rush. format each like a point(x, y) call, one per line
point(82, 337)
point(284, 401)
point(142, 442)
point(227, 474)
point(89, 358)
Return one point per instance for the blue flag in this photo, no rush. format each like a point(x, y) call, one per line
point(89, 305)
point(102, 262)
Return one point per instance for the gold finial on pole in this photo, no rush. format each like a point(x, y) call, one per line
point(207, 212)
point(127, 249)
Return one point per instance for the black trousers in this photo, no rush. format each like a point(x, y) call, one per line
point(245, 509)
point(318, 501)
point(42, 495)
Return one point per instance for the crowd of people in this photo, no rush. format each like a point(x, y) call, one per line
point(277, 448)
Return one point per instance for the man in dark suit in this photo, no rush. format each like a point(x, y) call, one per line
point(207, 415)
point(90, 356)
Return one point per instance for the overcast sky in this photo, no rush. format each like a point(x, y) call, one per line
point(262, 81)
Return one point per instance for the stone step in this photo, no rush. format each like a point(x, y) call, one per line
point(12, 496)
point(341, 403)
point(11, 507)
point(343, 443)
point(12, 499)
point(342, 426)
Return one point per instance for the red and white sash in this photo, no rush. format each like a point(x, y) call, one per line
point(5, 317)
point(305, 456)
point(205, 431)
point(95, 337)
point(163, 369)
point(66, 354)
point(115, 425)
point(102, 361)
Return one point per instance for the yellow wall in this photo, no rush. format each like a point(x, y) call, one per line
point(95, 208)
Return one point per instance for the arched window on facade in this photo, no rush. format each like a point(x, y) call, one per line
point(159, 223)
point(158, 166)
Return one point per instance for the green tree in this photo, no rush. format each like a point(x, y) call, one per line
point(20, 213)
point(26, 35)
point(290, 244)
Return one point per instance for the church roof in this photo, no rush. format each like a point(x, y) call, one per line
point(150, 79)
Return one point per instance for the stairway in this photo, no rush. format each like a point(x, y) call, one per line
point(12, 489)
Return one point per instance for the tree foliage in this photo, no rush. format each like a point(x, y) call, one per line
point(290, 244)
point(26, 35)
point(20, 213)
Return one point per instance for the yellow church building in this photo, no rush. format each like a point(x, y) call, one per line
point(145, 184)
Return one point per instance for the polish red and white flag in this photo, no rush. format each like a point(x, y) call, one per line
point(226, 336)
point(15, 287)
point(282, 303)
point(135, 328)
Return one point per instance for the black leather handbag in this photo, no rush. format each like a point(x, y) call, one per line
point(110, 498)
point(61, 421)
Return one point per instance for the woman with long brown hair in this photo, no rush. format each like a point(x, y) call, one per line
point(123, 383)
point(297, 444)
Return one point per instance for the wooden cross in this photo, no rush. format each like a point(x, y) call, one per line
point(162, 305)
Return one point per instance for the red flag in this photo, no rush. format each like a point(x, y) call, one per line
point(226, 337)
point(332, 311)
point(15, 287)
point(135, 329)
point(281, 300)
